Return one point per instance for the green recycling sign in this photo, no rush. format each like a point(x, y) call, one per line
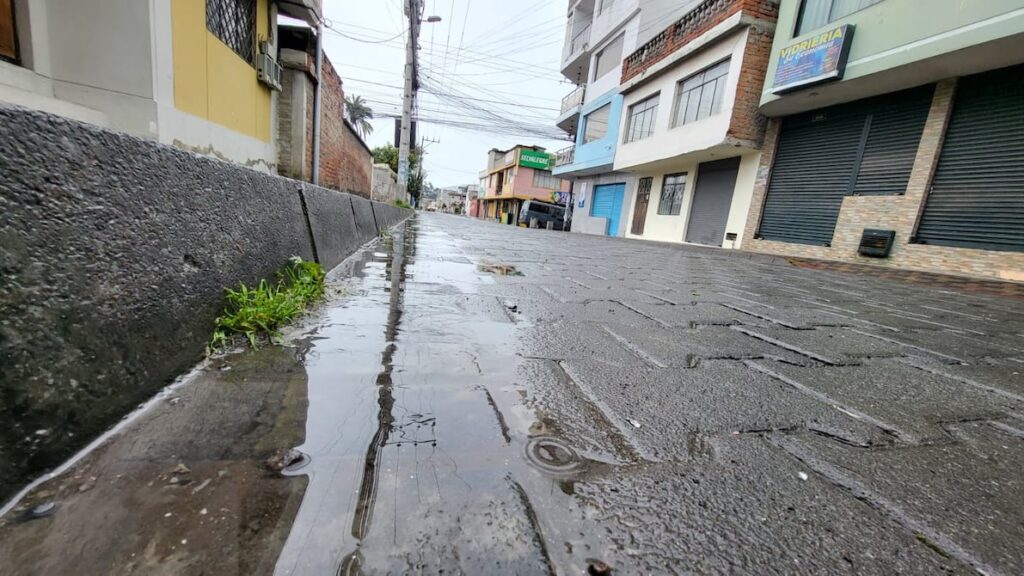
point(535, 159)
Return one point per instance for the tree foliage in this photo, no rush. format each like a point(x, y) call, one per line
point(359, 114)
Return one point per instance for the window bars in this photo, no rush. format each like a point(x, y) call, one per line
point(234, 23)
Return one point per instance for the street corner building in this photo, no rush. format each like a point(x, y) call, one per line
point(668, 135)
point(220, 78)
point(896, 136)
point(514, 176)
point(863, 131)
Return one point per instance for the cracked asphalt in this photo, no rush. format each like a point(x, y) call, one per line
point(482, 399)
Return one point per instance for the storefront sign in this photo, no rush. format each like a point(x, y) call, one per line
point(560, 198)
point(820, 58)
point(534, 159)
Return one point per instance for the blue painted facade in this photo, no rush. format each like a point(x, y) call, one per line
point(598, 154)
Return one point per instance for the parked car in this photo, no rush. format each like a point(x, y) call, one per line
point(543, 212)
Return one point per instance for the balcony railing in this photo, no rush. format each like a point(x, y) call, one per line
point(697, 21)
point(574, 98)
point(579, 39)
point(565, 156)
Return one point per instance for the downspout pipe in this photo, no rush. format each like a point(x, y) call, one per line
point(316, 102)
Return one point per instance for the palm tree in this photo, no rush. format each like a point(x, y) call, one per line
point(359, 114)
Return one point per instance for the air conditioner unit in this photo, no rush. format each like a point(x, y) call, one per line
point(268, 71)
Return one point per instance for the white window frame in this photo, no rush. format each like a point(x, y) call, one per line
point(694, 95)
point(649, 119)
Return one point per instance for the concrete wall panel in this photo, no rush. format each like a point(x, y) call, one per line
point(333, 225)
point(366, 224)
point(114, 256)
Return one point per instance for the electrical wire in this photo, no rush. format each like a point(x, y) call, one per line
point(363, 40)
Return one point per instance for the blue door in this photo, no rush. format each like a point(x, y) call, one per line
point(608, 204)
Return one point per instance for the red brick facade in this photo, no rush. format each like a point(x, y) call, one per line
point(692, 25)
point(345, 160)
point(746, 127)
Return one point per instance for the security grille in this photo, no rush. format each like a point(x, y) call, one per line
point(977, 195)
point(234, 23)
point(863, 148)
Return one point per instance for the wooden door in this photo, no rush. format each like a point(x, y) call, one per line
point(643, 198)
point(8, 42)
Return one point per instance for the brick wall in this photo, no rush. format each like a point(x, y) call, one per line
point(693, 24)
point(357, 161)
point(747, 124)
point(345, 160)
point(899, 213)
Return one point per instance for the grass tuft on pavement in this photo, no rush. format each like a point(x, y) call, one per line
point(263, 309)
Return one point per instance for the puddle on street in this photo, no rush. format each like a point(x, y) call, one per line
point(418, 444)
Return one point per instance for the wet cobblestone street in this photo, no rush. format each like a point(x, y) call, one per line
point(482, 399)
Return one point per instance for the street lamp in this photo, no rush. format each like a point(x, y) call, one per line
point(432, 19)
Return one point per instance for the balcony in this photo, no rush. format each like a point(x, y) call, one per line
point(575, 55)
point(569, 117)
point(702, 18)
point(574, 99)
point(565, 156)
point(580, 39)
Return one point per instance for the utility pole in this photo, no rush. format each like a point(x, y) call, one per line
point(413, 11)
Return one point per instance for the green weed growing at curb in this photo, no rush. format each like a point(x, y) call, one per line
point(402, 204)
point(268, 306)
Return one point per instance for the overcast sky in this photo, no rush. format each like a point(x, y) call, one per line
point(496, 55)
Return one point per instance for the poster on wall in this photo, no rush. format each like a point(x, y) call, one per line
point(820, 58)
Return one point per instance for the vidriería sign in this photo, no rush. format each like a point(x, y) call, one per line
point(817, 59)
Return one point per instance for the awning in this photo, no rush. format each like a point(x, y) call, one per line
point(306, 10)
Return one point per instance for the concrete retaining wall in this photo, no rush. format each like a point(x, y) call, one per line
point(114, 256)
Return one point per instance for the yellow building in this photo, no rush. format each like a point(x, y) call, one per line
point(197, 74)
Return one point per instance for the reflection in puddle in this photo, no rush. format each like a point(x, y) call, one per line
point(415, 427)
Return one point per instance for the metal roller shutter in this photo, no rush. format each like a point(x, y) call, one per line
point(977, 195)
point(813, 163)
point(712, 198)
point(604, 197)
point(894, 136)
point(866, 147)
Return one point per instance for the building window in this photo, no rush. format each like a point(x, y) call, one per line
point(595, 124)
point(700, 95)
point(641, 119)
point(672, 189)
point(234, 23)
point(544, 179)
point(609, 58)
point(605, 5)
point(817, 13)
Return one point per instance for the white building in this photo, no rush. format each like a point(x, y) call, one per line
point(598, 35)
